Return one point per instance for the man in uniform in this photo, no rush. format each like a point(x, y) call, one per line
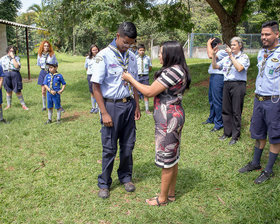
point(118, 108)
point(266, 116)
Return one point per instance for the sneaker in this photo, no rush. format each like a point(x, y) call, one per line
point(7, 107)
point(25, 107)
point(223, 137)
point(92, 110)
point(129, 187)
point(44, 109)
point(4, 121)
point(62, 110)
point(58, 121)
point(264, 176)
point(96, 111)
point(233, 141)
point(249, 167)
point(48, 121)
point(104, 193)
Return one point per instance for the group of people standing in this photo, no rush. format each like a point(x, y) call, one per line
point(227, 89)
point(116, 76)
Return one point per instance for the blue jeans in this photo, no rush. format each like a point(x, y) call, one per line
point(215, 96)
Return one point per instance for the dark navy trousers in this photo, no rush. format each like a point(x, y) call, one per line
point(123, 130)
point(215, 96)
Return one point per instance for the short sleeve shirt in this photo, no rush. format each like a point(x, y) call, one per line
point(89, 64)
point(58, 80)
point(268, 79)
point(220, 55)
point(143, 64)
point(230, 72)
point(107, 71)
point(7, 63)
point(46, 58)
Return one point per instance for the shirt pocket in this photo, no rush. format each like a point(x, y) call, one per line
point(114, 70)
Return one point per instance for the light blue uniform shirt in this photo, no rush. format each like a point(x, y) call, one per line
point(46, 58)
point(220, 55)
point(268, 83)
point(143, 69)
point(89, 64)
point(107, 71)
point(7, 63)
point(230, 72)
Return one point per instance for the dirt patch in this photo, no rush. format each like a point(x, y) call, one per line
point(204, 83)
point(29, 80)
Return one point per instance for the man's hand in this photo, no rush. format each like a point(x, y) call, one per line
point(52, 92)
point(137, 114)
point(107, 120)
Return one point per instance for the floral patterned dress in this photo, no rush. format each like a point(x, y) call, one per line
point(169, 117)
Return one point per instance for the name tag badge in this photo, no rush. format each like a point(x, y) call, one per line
point(270, 71)
point(55, 84)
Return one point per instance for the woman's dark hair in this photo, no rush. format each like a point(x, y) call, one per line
point(173, 54)
point(9, 48)
point(141, 46)
point(90, 55)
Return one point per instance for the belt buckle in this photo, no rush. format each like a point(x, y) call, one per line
point(124, 100)
point(261, 98)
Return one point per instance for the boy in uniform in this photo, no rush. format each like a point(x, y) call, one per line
point(118, 108)
point(144, 65)
point(2, 120)
point(52, 83)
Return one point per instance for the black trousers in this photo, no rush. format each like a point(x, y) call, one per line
point(233, 100)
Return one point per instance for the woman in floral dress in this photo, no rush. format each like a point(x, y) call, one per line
point(170, 83)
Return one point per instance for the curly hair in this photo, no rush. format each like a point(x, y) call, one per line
point(41, 48)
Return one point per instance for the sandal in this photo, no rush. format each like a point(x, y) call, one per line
point(157, 202)
point(171, 198)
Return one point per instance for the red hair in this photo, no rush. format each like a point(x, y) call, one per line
point(41, 48)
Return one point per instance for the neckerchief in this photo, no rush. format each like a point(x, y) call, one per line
point(51, 83)
point(232, 63)
point(142, 64)
point(267, 54)
point(123, 60)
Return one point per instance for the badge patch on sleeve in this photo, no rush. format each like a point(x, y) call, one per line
point(98, 59)
point(274, 60)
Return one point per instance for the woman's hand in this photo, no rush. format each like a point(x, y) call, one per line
point(228, 50)
point(126, 76)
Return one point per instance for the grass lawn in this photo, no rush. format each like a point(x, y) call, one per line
point(48, 173)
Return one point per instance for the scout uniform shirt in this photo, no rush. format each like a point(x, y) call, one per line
point(268, 79)
point(54, 83)
point(46, 58)
point(8, 65)
point(230, 72)
point(143, 64)
point(107, 71)
point(220, 55)
point(89, 64)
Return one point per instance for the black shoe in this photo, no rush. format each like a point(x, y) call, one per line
point(44, 109)
point(223, 137)
point(62, 110)
point(214, 130)
point(264, 176)
point(104, 193)
point(129, 187)
point(232, 141)
point(205, 122)
point(4, 121)
point(48, 121)
point(249, 167)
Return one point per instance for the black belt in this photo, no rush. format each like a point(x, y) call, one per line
point(263, 98)
point(123, 100)
point(142, 75)
point(10, 70)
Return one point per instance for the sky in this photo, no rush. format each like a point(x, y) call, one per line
point(27, 3)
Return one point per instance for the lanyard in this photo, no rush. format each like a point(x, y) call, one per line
point(122, 60)
point(266, 55)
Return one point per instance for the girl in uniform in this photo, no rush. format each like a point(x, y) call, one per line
point(45, 55)
point(88, 65)
point(12, 80)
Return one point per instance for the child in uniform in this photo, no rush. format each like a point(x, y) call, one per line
point(144, 65)
point(2, 120)
point(52, 83)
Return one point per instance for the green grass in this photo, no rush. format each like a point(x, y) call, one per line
point(48, 174)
